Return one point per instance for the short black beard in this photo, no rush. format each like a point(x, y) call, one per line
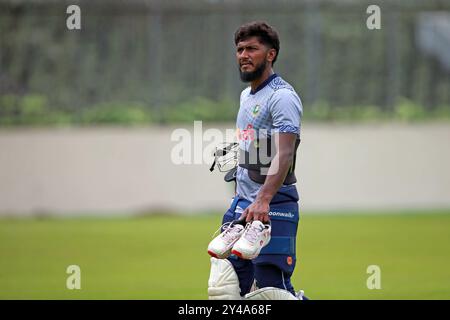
point(251, 76)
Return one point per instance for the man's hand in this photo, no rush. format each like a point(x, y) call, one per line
point(258, 210)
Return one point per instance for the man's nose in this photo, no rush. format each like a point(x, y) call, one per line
point(243, 54)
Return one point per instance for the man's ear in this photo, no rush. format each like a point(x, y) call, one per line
point(271, 54)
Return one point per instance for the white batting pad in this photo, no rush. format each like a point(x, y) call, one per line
point(223, 283)
point(270, 293)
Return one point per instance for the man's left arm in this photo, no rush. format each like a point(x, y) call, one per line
point(279, 167)
point(286, 111)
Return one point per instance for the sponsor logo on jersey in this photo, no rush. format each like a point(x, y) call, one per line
point(246, 134)
point(289, 260)
point(255, 110)
point(281, 214)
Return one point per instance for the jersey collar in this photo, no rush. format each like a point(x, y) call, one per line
point(265, 83)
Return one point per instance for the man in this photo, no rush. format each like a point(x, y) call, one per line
point(268, 122)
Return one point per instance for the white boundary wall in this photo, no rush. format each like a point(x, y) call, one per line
point(117, 170)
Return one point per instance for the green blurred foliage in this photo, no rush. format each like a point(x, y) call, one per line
point(408, 110)
point(200, 109)
point(35, 110)
point(142, 66)
point(403, 110)
point(442, 112)
point(116, 113)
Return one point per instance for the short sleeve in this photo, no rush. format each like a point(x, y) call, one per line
point(286, 110)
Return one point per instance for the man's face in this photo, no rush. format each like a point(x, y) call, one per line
point(252, 57)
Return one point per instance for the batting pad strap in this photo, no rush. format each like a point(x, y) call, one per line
point(280, 245)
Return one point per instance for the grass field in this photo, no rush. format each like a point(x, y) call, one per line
point(164, 257)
